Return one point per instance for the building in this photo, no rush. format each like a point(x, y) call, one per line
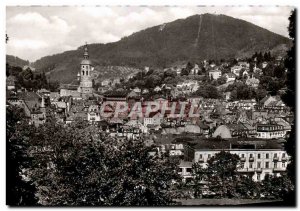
point(185, 171)
point(264, 64)
point(230, 77)
point(94, 114)
point(253, 82)
point(195, 70)
point(86, 84)
point(215, 74)
point(236, 69)
point(270, 131)
point(10, 82)
point(272, 103)
point(38, 116)
point(153, 119)
point(258, 157)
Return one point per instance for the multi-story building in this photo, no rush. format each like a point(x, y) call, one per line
point(270, 131)
point(94, 113)
point(257, 158)
point(185, 170)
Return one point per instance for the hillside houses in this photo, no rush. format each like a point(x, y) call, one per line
point(215, 74)
point(230, 77)
point(187, 87)
point(252, 82)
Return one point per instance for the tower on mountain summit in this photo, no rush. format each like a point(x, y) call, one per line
point(86, 84)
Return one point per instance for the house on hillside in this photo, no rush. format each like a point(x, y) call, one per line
point(195, 70)
point(252, 81)
point(215, 74)
point(10, 82)
point(230, 77)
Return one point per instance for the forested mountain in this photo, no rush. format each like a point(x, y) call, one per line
point(16, 61)
point(192, 39)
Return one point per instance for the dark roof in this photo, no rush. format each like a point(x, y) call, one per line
point(116, 93)
point(28, 96)
point(240, 143)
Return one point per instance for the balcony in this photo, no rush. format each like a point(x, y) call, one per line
point(243, 159)
point(201, 160)
point(243, 170)
point(251, 159)
point(275, 159)
point(283, 159)
point(258, 169)
point(279, 169)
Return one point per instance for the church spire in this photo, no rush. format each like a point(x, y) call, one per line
point(86, 53)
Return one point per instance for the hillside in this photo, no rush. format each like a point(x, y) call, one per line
point(16, 61)
point(195, 38)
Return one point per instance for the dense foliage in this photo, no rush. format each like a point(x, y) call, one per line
point(19, 192)
point(83, 168)
point(290, 99)
point(30, 80)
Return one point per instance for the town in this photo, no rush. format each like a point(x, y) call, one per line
point(150, 106)
point(188, 111)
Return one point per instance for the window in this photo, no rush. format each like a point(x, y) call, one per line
point(283, 165)
point(258, 155)
point(267, 155)
point(82, 72)
point(267, 165)
point(275, 155)
point(258, 177)
point(275, 165)
point(283, 155)
point(209, 156)
point(258, 165)
point(189, 170)
point(250, 165)
point(251, 155)
point(243, 155)
point(201, 156)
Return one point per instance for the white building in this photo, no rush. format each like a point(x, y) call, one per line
point(185, 170)
point(236, 70)
point(94, 113)
point(254, 162)
point(270, 131)
point(230, 77)
point(215, 74)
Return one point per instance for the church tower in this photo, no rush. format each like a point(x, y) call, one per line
point(86, 84)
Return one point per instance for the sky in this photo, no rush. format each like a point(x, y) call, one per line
point(37, 31)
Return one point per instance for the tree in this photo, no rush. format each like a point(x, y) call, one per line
point(240, 91)
point(184, 71)
point(221, 174)
point(290, 98)
point(18, 191)
point(260, 94)
point(81, 168)
point(247, 188)
point(200, 176)
point(208, 91)
point(277, 187)
point(221, 80)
